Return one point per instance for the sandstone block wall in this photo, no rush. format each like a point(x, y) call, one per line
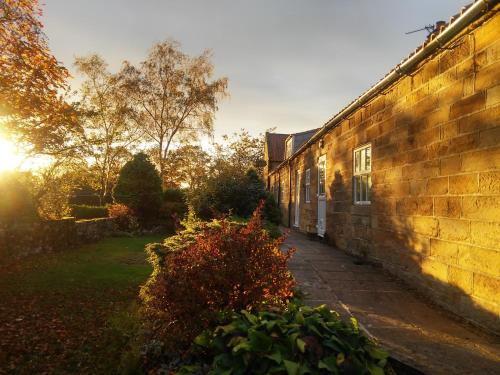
point(23, 239)
point(434, 217)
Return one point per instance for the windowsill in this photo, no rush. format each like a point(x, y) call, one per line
point(363, 203)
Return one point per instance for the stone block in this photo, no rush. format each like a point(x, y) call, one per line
point(453, 229)
point(449, 130)
point(437, 186)
point(448, 206)
point(489, 183)
point(486, 234)
point(450, 165)
point(468, 105)
point(493, 96)
point(488, 77)
point(426, 225)
point(464, 184)
point(485, 208)
point(482, 120)
point(479, 259)
point(487, 287)
point(487, 34)
point(489, 137)
point(444, 251)
point(437, 270)
point(461, 279)
point(481, 160)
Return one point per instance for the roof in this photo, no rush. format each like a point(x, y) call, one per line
point(443, 34)
point(276, 146)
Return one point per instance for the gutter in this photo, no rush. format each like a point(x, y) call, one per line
point(403, 68)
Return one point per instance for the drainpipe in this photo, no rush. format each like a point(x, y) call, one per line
point(289, 194)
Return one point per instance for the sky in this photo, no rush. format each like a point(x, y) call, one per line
point(291, 64)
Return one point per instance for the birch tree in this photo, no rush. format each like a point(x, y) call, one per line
point(109, 134)
point(174, 96)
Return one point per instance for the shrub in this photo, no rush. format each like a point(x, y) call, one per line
point(272, 213)
point(173, 207)
point(233, 191)
point(88, 212)
point(124, 217)
point(16, 203)
point(213, 268)
point(139, 187)
point(298, 341)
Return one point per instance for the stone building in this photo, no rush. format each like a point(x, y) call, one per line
point(408, 174)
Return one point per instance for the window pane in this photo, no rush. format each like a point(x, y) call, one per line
point(321, 177)
point(368, 159)
point(357, 161)
point(364, 186)
point(357, 197)
point(369, 190)
point(362, 166)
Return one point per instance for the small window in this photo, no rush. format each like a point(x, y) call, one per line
point(308, 185)
point(321, 176)
point(362, 180)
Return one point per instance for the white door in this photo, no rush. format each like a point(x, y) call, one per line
point(297, 199)
point(321, 196)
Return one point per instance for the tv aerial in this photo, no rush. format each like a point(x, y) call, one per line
point(429, 28)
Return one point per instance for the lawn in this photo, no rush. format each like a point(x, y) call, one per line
point(74, 311)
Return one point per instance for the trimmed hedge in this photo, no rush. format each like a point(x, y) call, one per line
point(88, 212)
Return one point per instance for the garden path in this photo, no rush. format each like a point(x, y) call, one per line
point(414, 331)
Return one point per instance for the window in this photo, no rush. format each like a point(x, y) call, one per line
point(321, 176)
point(308, 185)
point(362, 180)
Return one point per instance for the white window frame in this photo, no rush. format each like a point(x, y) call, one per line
point(308, 185)
point(362, 171)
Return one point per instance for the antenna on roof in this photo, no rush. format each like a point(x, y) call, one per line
point(429, 28)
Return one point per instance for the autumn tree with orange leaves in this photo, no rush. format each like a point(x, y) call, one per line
point(32, 82)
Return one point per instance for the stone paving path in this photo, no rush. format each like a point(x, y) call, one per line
point(412, 330)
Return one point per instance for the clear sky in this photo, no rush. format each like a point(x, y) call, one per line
point(291, 64)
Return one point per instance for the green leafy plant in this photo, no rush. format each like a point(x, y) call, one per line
point(210, 268)
point(300, 340)
point(139, 187)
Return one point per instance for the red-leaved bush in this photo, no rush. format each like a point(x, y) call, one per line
point(222, 267)
point(124, 216)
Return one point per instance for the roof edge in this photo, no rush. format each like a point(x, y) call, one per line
point(472, 13)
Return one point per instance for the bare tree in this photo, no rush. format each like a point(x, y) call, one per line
point(173, 96)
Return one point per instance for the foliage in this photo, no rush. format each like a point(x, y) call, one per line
point(213, 268)
point(173, 96)
point(139, 187)
point(109, 135)
point(173, 207)
point(301, 340)
point(31, 80)
point(185, 166)
point(233, 191)
point(124, 217)
point(16, 203)
point(242, 151)
point(271, 210)
point(88, 212)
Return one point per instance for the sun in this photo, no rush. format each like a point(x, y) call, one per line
point(10, 158)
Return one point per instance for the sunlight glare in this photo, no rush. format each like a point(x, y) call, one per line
point(10, 159)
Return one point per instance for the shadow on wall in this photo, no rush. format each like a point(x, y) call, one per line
point(393, 243)
point(410, 144)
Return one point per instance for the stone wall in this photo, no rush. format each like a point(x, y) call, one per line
point(22, 239)
point(434, 217)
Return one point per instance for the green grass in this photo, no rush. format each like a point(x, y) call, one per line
point(73, 311)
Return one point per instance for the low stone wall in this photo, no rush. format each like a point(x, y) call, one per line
point(21, 239)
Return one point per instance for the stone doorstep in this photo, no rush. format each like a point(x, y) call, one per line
point(419, 336)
